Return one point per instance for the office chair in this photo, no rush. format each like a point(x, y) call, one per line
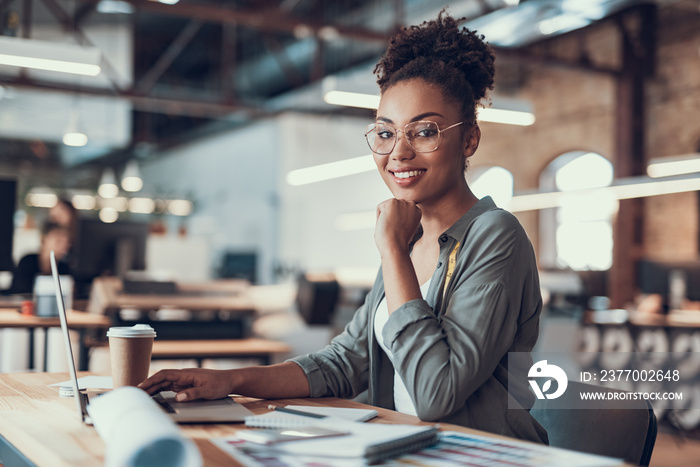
point(626, 430)
point(317, 297)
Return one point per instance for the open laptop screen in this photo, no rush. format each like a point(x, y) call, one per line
point(66, 337)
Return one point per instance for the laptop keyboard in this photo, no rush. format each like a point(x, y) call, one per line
point(163, 403)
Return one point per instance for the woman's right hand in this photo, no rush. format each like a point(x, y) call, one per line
point(190, 384)
point(397, 222)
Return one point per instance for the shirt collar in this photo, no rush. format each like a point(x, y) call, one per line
point(459, 228)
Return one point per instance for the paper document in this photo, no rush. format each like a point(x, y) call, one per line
point(88, 382)
point(276, 419)
point(453, 449)
point(368, 442)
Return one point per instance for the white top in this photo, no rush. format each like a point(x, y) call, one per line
point(402, 400)
point(137, 330)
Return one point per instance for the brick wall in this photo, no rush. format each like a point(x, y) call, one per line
point(575, 111)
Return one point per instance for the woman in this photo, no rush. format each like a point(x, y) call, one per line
point(53, 237)
point(458, 288)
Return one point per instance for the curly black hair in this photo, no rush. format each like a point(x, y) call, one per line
point(458, 61)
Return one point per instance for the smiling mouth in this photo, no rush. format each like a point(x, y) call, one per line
point(409, 174)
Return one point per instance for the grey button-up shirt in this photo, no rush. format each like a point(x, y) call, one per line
point(450, 348)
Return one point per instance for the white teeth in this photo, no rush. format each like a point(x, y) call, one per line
point(412, 173)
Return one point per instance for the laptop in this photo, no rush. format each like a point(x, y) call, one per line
point(216, 411)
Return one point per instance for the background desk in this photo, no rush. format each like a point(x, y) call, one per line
point(80, 321)
point(212, 310)
point(37, 427)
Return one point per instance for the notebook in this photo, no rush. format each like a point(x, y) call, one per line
point(276, 419)
point(371, 442)
point(220, 410)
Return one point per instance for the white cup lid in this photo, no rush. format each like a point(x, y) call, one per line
point(137, 330)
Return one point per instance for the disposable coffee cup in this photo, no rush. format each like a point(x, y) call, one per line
point(130, 350)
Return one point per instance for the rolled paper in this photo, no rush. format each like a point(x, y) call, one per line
point(137, 433)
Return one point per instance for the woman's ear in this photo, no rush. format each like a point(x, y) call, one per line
point(471, 141)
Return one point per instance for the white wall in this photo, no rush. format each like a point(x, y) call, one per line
point(232, 180)
point(309, 236)
point(243, 202)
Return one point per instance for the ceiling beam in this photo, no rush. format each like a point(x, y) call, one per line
point(267, 21)
point(168, 57)
point(171, 105)
point(85, 11)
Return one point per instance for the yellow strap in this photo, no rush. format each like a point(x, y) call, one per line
point(450, 267)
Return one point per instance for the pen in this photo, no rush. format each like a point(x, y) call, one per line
point(295, 412)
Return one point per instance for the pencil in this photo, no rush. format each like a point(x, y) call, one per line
point(295, 412)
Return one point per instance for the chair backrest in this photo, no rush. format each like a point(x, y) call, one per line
point(317, 297)
point(627, 431)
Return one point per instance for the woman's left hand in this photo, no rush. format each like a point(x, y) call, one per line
point(397, 222)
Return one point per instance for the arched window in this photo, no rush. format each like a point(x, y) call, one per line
point(578, 234)
point(494, 181)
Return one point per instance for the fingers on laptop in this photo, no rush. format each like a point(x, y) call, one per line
point(164, 379)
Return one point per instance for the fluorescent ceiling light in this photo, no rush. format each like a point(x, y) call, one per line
point(625, 188)
point(331, 170)
point(565, 22)
point(352, 99)
point(114, 6)
point(669, 166)
point(369, 101)
point(42, 55)
point(508, 117)
point(167, 2)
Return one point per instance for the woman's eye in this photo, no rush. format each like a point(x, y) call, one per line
point(425, 133)
point(385, 134)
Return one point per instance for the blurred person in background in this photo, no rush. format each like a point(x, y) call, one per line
point(53, 237)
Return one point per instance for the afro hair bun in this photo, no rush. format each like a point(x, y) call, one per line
point(438, 42)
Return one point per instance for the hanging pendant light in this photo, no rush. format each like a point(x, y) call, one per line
point(74, 136)
point(131, 179)
point(108, 184)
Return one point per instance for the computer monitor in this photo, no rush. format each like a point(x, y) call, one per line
point(8, 205)
point(655, 276)
point(103, 249)
point(239, 265)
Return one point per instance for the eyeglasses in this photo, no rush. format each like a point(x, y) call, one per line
point(422, 136)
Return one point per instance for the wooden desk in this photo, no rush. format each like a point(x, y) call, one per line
point(106, 297)
point(78, 320)
point(37, 427)
point(198, 350)
point(262, 349)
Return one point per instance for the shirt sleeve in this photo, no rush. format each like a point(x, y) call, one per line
point(341, 369)
point(443, 359)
